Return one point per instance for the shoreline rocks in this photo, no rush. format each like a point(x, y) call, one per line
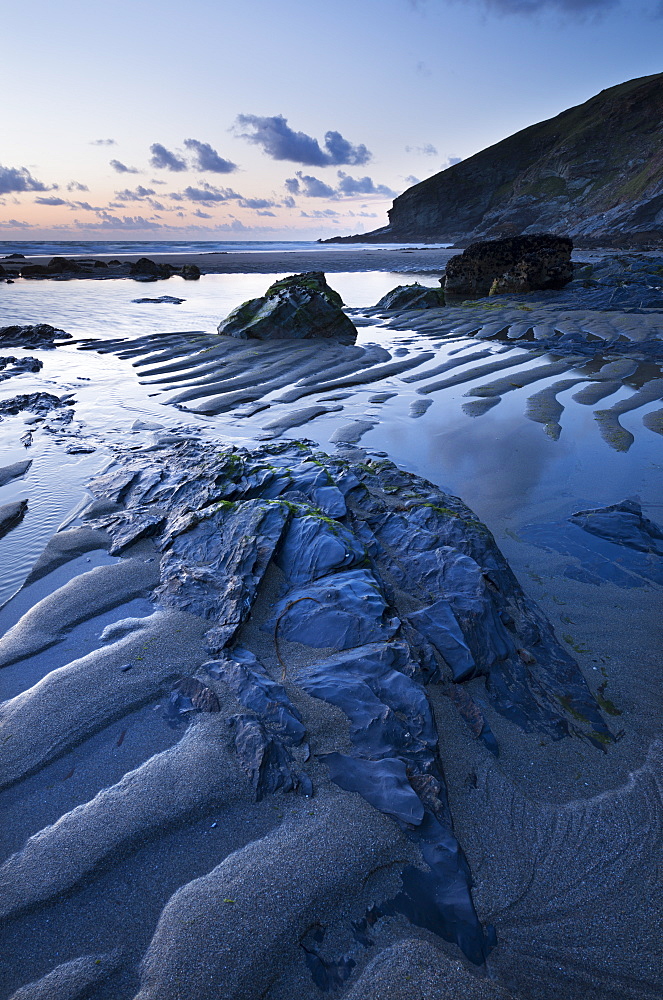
point(510, 266)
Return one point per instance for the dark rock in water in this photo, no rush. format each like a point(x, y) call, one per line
point(35, 402)
point(17, 366)
point(9, 472)
point(514, 264)
point(35, 271)
point(414, 296)
point(12, 514)
point(172, 299)
point(146, 268)
point(64, 265)
point(190, 272)
point(624, 524)
point(39, 335)
point(301, 306)
point(14, 256)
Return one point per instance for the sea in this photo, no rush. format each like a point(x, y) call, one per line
point(119, 248)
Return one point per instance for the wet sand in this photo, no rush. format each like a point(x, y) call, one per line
point(136, 859)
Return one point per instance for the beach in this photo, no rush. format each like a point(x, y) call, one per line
point(217, 609)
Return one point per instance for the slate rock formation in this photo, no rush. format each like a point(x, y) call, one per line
point(301, 306)
point(510, 265)
point(594, 171)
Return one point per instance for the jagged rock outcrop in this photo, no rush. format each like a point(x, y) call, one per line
point(301, 306)
point(594, 172)
point(511, 265)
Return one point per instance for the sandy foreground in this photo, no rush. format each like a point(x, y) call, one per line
point(233, 763)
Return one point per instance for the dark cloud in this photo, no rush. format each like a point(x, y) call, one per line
point(51, 201)
point(426, 150)
point(75, 186)
point(272, 214)
point(14, 179)
point(201, 215)
point(122, 168)
point(163, 159)
point(362, 185)
point(103, 142)
point(137, 195)
point(289, 201)
point(281, 142)
point(207, 158)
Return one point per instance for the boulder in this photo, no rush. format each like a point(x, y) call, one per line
point(12, 514)
point(414, 296)
point(190, 272)
point(146, 268)
point(63, 265)
point(301, 306)
point(35, 271)
point(35, 336)
point(511, 265)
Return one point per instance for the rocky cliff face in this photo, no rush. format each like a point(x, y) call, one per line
point(595, 172)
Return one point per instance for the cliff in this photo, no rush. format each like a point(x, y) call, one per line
point(594, 172)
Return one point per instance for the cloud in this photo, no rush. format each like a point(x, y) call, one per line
point(208, 158)
point(103, 142)
point(362, 185)
point(258, 203)
point(427, 150)
point(206, 194)
point(75, 186)
point(281, 142)
point(319, 214)
point(289, 201)
point(272, 214)
point(137, 195)
point(411, 180)
point(311, 187)
point(19, 179)
point(122, 168)
point(201, 215)
point(126, 223)
point(163, 159)
point(348, 187)
point(576, 8)
point(451, 161)
point(51, 201)
point(15, 224)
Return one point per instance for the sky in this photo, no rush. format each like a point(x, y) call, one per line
point(279, 119)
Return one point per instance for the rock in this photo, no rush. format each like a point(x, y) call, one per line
point(171, 299)
point(34, 271)
point(35, 402)
point(17, 366)
point(34, 336)
point(14, 256)
point(514, 264)
point(146, 268)
point(190, 272)
point(63, 265)
point(414, 296)
point(9, 472)
point(12, 514)
point(298, 307)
